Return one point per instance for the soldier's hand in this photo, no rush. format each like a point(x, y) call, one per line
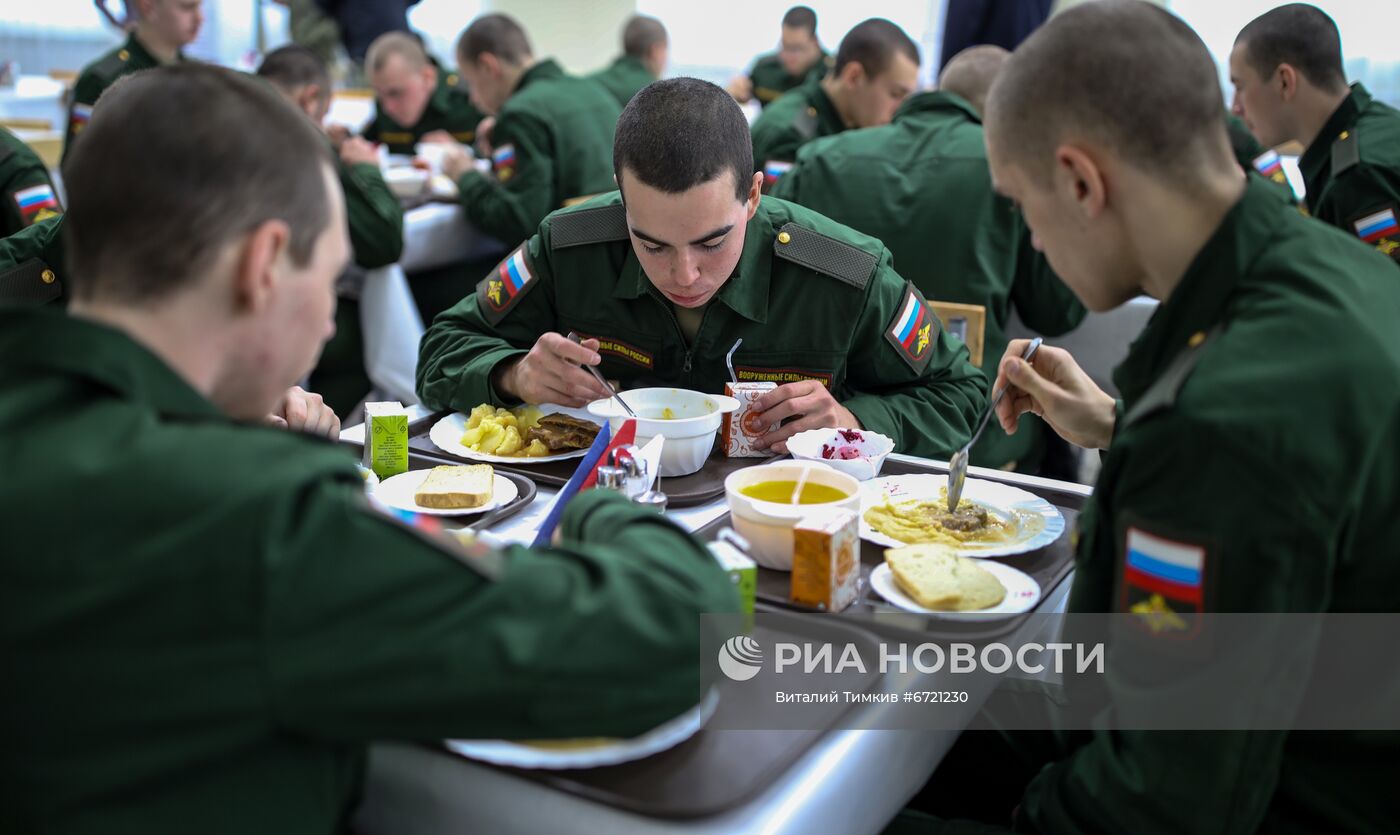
point(551, 373)
point(354, 151)
point(304, 411)
point(338, 134)
point(809, 402)
point(741, 88)
point(1054, 387)
point(457, 158)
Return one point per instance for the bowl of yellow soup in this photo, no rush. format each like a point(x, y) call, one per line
point(762, 511)
point(688, 420)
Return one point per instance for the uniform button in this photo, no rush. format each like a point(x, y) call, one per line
point(811, 111)
point(452, 81)
point(1196, 339)
point(784, 237)
point(124, 55)
point(1345, 134)
point(47, 277)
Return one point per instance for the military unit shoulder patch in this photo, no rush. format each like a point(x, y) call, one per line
point(79, 116)
point(1270, 164)
point(505, 286)
point(1163, 583)
point(1381, 229)
point(36, 203)
point(503, 162)
point(913, 329)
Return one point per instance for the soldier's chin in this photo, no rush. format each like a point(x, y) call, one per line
point(688, 301)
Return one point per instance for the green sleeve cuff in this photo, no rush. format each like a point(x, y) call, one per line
point(474, 386)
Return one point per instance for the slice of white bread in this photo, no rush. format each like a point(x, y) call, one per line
point(937, 578)
point(450, 488)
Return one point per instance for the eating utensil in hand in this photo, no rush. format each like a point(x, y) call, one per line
point(957, 465)
point(576, 339)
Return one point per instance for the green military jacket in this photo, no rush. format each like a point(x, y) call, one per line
point(26, 191)
point(921, 185)
point(33, 264)
point(797, 118)
point(96, 77)
point(449, 109)
point(1352, 171)
point(810, 298)
point(552, 143)
point(1255, 443)
point(231, 624)
point(374, 214)
point(1254, 158)
point(624, 77)
point(770, 81)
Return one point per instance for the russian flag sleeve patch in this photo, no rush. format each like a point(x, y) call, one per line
point(1163, 582)
point(912, 331)
point(505, 286)
point(1381, 229)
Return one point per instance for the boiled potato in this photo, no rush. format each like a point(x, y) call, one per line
point(497, 431)
point(512, 442)
point(491, 440)
point(472, 436)
point(479, 414)
point(536, 449)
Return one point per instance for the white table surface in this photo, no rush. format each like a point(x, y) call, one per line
point(851, 781)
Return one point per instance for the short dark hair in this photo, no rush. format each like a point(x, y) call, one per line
point(872, 44)
point(641, 34)
point(678, 133)
point(1096, 72)
point(1299, 35)
point(406, 45)
point(497, 34)
point(801, 17)
point(971, 72)
point(293, 67)
point(176, 163)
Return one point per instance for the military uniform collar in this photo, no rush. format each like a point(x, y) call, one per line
point(441, 100)
point(746, 290)
point(1315, 161)
point(1197, 304)
point(546, 68)
point(629, 61)
point(80, 348)
point(824, 108)
point(934, 100)
point(139, 56)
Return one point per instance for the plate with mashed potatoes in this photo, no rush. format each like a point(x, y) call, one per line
point(523, 435)
point(933, 579)
point(992, 520)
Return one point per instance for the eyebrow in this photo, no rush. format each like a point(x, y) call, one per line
point(723, 230)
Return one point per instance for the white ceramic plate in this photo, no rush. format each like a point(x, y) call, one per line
point(397, 491)
point(1002, 499)
point(1022, 592)
point(447, 433)
point(666, 735)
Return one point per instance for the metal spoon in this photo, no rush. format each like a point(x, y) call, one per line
point(957, 465)
point(576, 339)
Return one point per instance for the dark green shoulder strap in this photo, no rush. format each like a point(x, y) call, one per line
point(589, 226)
point(825, 255)
point(1345, 152)
point(1161, 395)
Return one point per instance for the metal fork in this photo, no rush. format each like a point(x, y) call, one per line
point(957, 465)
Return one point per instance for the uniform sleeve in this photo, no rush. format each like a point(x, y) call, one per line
point(467, 341)
point(85, 93)
point(775, 141)
point(375, 216)
point(43, 240)
point(1043, 301)
point(372, 631)
point(1364, 205)
point(511, 205)
point(789, 185)
point(927, 405)
point(1276, 560)
point(26, 191)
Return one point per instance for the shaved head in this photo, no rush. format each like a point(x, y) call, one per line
point(971, 72)
point(1122, 75)
point(402, 44)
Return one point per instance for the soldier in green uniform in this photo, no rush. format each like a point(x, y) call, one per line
point(877, 68)
point(799, 59)
point(32, 263)
point(25, 188)
point(645, 47)
point(414, 97)
point(1254, 157)
point(1289, 84)
point(552, 139)
point(665, 275)
point(236, 621)
point(374, 214)
point(163, 28)
point(921, 186)
point(1252, 449)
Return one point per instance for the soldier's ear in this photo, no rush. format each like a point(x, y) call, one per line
point(257, 263)
point(755, 194)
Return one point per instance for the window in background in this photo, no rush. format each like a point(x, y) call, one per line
point(716, 41)
point(440, 22)
point(1368, 49)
